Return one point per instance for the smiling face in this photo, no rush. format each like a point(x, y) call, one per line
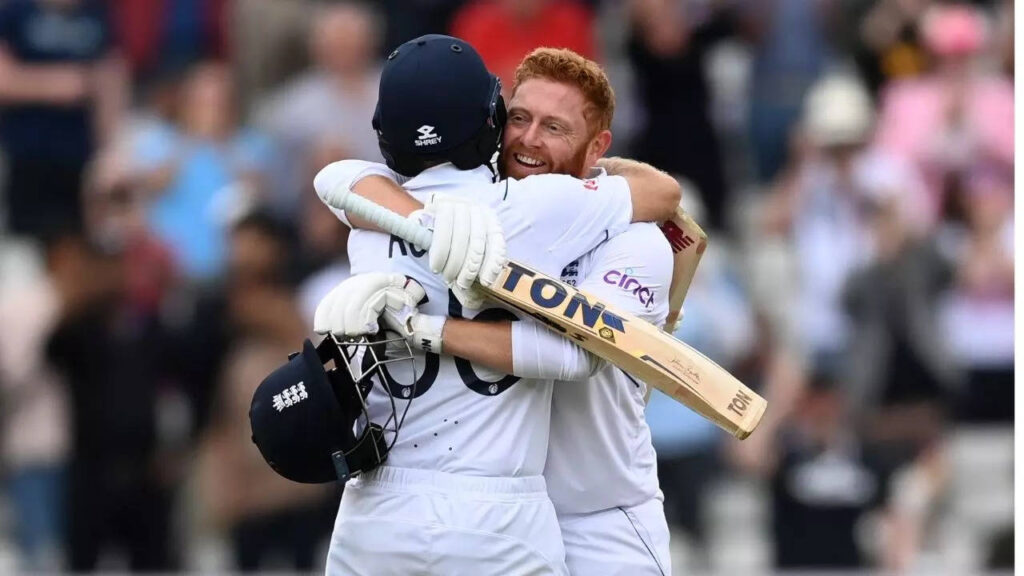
point(548, 131)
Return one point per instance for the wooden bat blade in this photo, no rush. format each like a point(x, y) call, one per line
point(688, 242)
point(637, 347)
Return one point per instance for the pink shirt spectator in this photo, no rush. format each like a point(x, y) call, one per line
point(914, 125)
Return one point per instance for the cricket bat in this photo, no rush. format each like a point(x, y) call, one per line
point(636, 346)
point(688, 243)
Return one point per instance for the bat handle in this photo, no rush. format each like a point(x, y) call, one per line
point(381, 217)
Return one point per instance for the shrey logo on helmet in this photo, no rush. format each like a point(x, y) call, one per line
point(427, 136)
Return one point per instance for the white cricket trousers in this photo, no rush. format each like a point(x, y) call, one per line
point(627, 541)
point(406, 522)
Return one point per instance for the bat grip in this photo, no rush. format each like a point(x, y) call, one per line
point(381, 217)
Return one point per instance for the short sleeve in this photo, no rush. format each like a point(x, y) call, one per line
point(571, 216)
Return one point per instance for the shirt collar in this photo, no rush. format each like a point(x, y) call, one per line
point(446, 174)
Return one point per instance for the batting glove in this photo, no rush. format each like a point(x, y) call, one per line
point(353, 307)
point(421, 331)
point(468, 246)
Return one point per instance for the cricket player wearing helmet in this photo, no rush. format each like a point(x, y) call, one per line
point(601, 468)
point(462, 489)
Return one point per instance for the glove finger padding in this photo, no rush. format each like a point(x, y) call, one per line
point(462, 237)
point(477, 230)
point(415, 291)
point(352, 308)
point(441, 246)
point(469, 297)
point(401, 304)
point(496, 255)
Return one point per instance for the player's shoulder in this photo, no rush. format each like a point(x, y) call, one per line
point(641, 245)
point(644, 237)
point(535, 181)
point(541, 184)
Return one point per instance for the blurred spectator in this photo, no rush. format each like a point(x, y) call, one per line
point(269, 40)
point(110, 354)
point(62, 91)
point(956, 116)
point(265, 514)
point(115, 211)
point(408, 19)
point(896, 352)
point(34, 400)
point(822, 485)
point(977, 318)
point(505, 31)
point(817, 229)
point(821, 202)
point(213, 163)
point(332, 104)
point(791, 42)
point(669, 43)
point(901, 374)
point(888, 45)
point(156, 34)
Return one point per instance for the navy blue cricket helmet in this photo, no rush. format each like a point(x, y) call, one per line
point(438, 102)
point(304, 419)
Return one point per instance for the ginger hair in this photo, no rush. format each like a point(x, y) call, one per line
point(566, 66)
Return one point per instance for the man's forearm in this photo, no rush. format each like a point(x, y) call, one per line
point(385, 192)
point(655, 194)
point(45, 83)
point(111, 91)
point(618, 166)
point(488, 344)
point(523, 349)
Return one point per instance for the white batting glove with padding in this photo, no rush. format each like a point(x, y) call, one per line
point(353, 307)
point(468, 245)
point(422, 331)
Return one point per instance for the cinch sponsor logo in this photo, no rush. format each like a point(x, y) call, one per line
point(590, 184)
point(558, 298)
point(624, 280)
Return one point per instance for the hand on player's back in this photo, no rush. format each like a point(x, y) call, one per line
point(468, 246)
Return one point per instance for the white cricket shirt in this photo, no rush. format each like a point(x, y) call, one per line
point(464, 419)
point(600, 454)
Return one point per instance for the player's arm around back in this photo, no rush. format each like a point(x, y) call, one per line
point(468, 243)
point(524, 348)
point(631, 271)
point(654, 194)
point(373, 181)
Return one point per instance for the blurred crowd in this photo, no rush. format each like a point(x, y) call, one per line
point(162, 250)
